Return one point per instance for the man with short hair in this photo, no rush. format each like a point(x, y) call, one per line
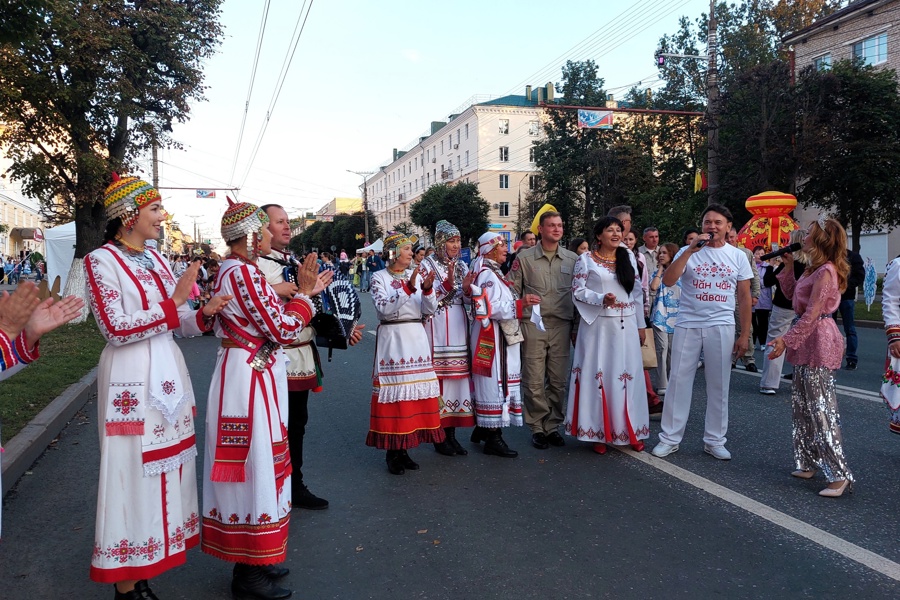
point(546, 269)
point(528, 240)
point(713, 275)
point(650, 249)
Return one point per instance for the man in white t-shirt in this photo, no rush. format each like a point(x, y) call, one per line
point(714, 276)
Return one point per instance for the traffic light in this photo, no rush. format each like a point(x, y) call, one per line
point(660, 60)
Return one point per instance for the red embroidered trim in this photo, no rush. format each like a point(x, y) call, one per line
point(21, 348)
point(125, 428)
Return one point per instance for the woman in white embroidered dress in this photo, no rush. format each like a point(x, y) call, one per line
point(247, 468)
point(607, 394)
point(448, 332)
point(147, 513)
point(496, 364)
point(405, 389)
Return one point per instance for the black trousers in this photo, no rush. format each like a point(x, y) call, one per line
point(298, 416)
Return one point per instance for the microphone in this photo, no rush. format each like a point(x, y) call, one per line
point(786, 250)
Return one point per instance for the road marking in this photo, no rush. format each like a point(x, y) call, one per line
point(372, 331)
point(874, 561)
point(843, 390)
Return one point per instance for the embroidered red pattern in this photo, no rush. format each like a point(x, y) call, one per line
point(125, 402)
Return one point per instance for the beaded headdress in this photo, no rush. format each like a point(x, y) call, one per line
point(444, 232)
point(488, 242)
point(396, 240)
point(244, 219)
point(125, 197)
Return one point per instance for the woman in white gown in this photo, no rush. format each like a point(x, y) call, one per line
point(607, 396)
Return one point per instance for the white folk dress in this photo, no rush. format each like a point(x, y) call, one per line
point(405, 389)
point(147, 513)
point(607, 394)
point(247, 469)
point(448, 332)
point(498, 399)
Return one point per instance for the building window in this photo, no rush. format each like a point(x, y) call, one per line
point(442, 146)
point(467, 155)
point(532, 182)
point(504, 126)
point(531, 154)
point(534, 128)
point(504, 153)
point(427, 178)
point(504, 182)
point(467, 131)
point(457, 137)
point(458, 162)
point(872, 51)
point(822, 63)
point(504, 209)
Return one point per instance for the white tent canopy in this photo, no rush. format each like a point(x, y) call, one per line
point(377, 246)
point(59, 243)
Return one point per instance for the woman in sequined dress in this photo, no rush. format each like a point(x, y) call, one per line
point(890, 304)
point(815, 348)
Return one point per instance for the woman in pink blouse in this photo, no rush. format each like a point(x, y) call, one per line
point(815, 348)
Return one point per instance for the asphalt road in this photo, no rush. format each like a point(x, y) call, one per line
point(551, 524)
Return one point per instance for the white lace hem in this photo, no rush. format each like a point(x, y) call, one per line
point(169, 413)
point(158, 467)
point(407, 392)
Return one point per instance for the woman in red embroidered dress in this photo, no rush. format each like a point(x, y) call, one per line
point(147, 513)
point(247, 467)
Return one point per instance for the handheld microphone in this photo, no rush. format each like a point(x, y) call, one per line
point(702, 243)
point(786, 250)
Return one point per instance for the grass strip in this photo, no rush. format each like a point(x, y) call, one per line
point(67, 354)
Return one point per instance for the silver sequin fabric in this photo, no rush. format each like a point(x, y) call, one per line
point(818, 443)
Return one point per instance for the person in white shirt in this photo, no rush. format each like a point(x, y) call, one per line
point(713, 276)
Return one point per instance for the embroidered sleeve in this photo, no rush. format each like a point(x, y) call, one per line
point(105, 282)
point(7, 356)
point(259, 304)
point(824, 289)
point(890, 300)
point(389, 295)
point(23, 352)
point(502, 305)
point(639, 296)
point(580, 290)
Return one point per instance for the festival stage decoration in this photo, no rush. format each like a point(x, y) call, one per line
point(770, 223)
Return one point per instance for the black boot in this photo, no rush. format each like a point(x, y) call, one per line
point(496, 446)
point(134, 594)
point(250, 583)
point(394, 462)
point(444, 447)
point(274, 572)
point(303, 498)
point(451, 440)
point(408, 462)
point(144, 588)
point(479, 434)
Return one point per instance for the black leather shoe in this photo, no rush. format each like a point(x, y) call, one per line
point(444, 448)
point(451, 439)
point(395, 463)
point(141, 591)
point(303, 498)
point(752, 368)
point(407, 462)
point(851, 365)
point(274, 572)
point(555, 439)
point(479, 434)
point(251, 583)
point(539, 440)
point(496, 445)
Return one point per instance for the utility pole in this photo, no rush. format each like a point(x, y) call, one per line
point(364, 175)
point(712, 110)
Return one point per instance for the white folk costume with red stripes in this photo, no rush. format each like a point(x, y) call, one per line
point(247, 492)
point(448, 332)
point(496, 366)
point(404, 408)
point(607, 395)
point(304, 372)
point(147, 513)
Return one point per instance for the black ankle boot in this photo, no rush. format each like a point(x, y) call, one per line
point(132, 595)
point(144, 588)
point(407, 462)
point(496, 446)
point(394, 462)
point(479, 434)
point(250, 583)
point(274, 572)
point(444, 448)
point(451, 440)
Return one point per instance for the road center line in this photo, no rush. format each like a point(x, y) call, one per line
point(843, 390)
point(876, 562)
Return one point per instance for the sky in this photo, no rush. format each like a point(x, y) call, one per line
point(367, 77)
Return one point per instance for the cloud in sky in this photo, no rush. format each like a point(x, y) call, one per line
point(412, 55)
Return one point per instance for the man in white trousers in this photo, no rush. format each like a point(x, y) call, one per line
point(713, 276)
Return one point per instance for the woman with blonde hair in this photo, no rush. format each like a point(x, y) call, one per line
point(815, 348)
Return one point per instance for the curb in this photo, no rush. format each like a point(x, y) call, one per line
point(28, 445)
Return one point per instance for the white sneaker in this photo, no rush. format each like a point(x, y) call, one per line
point(767, 391)
point(661, 450)
point(717, 452)
point(700, 364)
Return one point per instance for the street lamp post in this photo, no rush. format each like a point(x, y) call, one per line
point(364, 175)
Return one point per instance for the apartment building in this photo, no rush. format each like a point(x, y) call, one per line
point(22, 225)
point(339, 206)
point(490, 143)
point(862, 29)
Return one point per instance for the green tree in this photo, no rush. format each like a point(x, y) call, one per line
point(850, 139)
point(460, 204)
point(90, 89)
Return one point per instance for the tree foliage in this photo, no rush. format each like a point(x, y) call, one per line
point(87, 87)
point(460, 204)
point(341, 233)
point(850, 136)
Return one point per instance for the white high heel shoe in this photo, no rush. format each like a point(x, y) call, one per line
point(835, 492)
